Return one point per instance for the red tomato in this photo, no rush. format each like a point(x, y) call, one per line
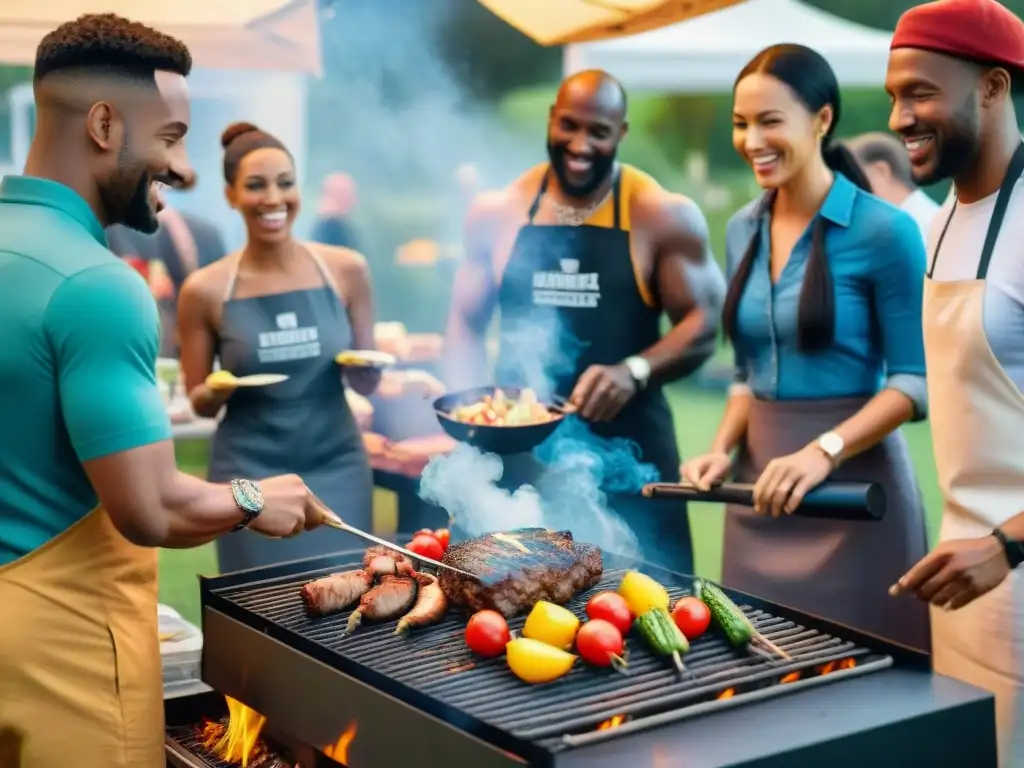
point(611, 607)
point(487, 633)
point(444, 536)
point(599, 643)
point(692, 617)
point(425, 532)
point(427, 546)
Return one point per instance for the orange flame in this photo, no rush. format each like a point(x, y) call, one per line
point(728, 693)
point(792, 677)
point(338, 751)
point(614, 722)
point(239, 741)
point(835, 666)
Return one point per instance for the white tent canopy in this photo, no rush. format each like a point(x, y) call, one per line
point(706, 53)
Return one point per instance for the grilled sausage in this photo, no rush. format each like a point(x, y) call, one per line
point(388, 600)
point(381, 561)
point(336, 592)
point(430, 604)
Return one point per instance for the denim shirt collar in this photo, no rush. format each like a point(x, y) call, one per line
point(837, 207)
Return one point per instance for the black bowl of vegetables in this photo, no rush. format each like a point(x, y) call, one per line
point(506, 420)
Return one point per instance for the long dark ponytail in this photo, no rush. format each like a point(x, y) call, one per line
point(811, 78)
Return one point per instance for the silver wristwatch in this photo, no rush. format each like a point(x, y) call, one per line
point(832, 445)
point(249, 499)
point(639, 370)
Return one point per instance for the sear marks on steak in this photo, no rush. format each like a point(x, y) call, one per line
point(518, 568)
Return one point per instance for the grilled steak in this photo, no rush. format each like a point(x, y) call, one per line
point(518, 568)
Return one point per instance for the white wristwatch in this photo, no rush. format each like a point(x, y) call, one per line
point(639, 370)
point(832, 445)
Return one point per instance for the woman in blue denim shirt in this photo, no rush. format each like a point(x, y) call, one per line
point(824, 312)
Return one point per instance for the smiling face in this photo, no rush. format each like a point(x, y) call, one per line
point(151, 151)
point(266, 194)
point(585, 127)
point(936, 110)
point(774, 131)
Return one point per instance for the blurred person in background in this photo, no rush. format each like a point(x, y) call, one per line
point(333, 225)
point(887, 166)
point(287, 307)
point(613, 252)
point(966, 57)
point(823, 311)
point(89, 487)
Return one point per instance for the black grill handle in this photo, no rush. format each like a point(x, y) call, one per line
point(829, 501)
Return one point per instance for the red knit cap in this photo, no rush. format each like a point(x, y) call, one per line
point(977, 30)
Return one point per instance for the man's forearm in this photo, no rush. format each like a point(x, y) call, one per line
point(684, 349)
point(1014, 527)
point(197, 512)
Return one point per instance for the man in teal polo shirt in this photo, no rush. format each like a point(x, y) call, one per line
point(88, 482)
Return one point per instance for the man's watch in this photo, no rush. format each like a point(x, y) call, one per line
point(249, 499)
point(639, 370)
point(832, 445)
point(1014, 549)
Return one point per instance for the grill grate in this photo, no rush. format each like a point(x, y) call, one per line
point(187, 738)
point(435, 662)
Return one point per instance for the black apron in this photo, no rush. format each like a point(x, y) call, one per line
point(302, 426)
point(569, 299)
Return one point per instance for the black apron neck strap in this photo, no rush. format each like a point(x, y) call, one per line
point(617, 201)
point(1013, 174)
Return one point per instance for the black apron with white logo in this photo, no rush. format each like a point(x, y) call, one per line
point(569, 299)
point(302, 426)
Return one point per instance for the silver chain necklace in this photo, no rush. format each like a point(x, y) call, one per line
point(571, 216)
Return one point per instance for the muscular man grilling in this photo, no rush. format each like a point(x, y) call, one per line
point(589, 253)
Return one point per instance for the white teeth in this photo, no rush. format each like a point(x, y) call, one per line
point(916, 142)
point(274, 216)
point(764, 160)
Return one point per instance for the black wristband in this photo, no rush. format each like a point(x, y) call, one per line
point(1014, 549)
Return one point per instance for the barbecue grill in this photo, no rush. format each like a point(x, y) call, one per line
point(843, 698)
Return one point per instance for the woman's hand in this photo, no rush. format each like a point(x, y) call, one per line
point(787, 479)
point(704, 471)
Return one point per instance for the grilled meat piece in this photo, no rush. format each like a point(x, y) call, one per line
point(336, 592)
point(388, 600)
point(430, 607)
point(518, 568)
point(381, 561)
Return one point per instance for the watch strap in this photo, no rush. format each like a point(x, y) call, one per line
point(249, 498)
point(1014, 549)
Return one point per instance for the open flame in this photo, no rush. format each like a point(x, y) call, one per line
point(614, 722)
point(835, 666)
point(338, 751)
point(728, 693)
point(513, 540)
point(238, 741)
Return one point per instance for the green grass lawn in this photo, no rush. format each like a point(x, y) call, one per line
point(696, 418)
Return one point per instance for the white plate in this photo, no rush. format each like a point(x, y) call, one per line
point(260, 380)
point(365, 358)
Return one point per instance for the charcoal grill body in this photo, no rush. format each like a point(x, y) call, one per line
point(419, 696)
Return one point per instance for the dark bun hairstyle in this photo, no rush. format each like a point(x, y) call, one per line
point(812, 80)
point(238, 140)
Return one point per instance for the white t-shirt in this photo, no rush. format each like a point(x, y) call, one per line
point(1004, 291)
point(922, 209)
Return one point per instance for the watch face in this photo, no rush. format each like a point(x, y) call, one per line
point(247, 495)
point(831, 443)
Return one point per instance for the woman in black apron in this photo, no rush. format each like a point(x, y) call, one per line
point(595, 315)
point(824, 312)
point(284, 307)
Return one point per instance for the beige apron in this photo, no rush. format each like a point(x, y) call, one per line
point(977, 416)
point(80, 676)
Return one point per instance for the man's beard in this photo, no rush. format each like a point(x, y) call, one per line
point(601, 166)
point(957, 149)
point(127, 197)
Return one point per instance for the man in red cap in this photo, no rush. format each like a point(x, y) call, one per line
point(951, 69)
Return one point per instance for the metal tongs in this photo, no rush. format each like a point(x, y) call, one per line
point(331, 520)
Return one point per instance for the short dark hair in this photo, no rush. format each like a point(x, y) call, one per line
point(106, 42)
point(878, 147)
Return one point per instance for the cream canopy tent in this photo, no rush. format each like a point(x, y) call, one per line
point(705, 54)
point(222, 34)
point(557, 22)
